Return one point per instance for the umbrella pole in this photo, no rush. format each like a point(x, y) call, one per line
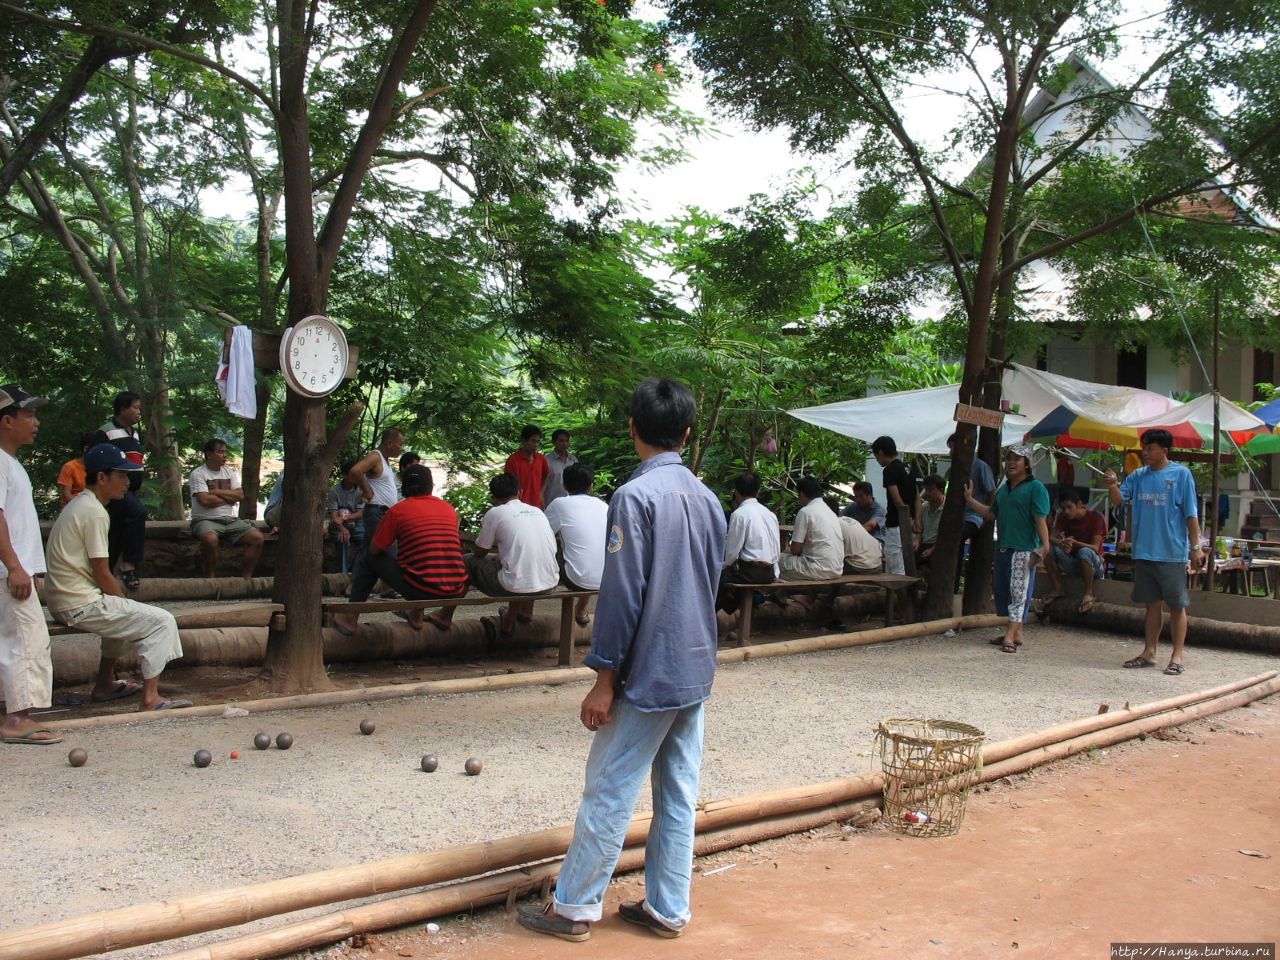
point(1217, 454)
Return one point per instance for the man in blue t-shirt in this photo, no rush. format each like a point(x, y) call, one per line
point(1166, 533)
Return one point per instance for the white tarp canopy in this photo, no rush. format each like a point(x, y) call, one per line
point(1038, 393)
point(921, 420)
point(918, 420)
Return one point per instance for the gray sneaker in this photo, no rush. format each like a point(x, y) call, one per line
point(541, 918)
point(633, 911)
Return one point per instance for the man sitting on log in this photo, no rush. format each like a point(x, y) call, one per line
point(427, 563)
point(752, 543)
point(215, 493)
point(863, 553)
point(1075, 546)
point(816, 551)
point(580, 521)
point(81, 592)
point(515, 552)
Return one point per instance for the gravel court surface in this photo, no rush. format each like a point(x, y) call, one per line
point(139, 822)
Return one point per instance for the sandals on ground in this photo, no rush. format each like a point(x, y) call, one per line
point(131, 580)
point(1173, 669)
point(1139, 662)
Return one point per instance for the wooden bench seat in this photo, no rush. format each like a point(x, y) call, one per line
point(891, 583)
point(567, 600)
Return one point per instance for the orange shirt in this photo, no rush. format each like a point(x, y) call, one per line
point(71, 475)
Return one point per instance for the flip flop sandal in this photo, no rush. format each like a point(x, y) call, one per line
point(172, 704)
point(1008, 648)
point(1138, 662)
point(31, 737)
point(131, 580)
point(122, 689)
point(1173, 669)
point(999, 642)
point(1086, 605)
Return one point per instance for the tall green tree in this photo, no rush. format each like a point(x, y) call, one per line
point(836, 75)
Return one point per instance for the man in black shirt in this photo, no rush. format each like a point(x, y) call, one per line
point(127, 537)
point(900, 491)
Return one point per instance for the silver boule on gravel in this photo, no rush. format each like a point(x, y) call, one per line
point(202, 758)
point(78, 757)
point(284, 741)
point(367, 727)
point(262, 740)
point(472, 767)
point(430, 763)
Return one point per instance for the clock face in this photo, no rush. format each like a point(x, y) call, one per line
point(314, 357)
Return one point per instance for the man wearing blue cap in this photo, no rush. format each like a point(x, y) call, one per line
point(82, 593)
point(26, 667)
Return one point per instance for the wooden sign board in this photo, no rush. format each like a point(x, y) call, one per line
point(966, 413)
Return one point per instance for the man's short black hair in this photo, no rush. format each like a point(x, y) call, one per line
point(1156, 435)
point(123, 401)
point(747, 484)
point(832, 503)
point(408, 459)
point(212, 444)
point(662, 412)
point(504, 486)
point(532, 430)
point(558, 434)
point(1070, 495)
point(87, 440)
point(864, 487)
point(578, 478)
point(935, 481)
point(811, 487)
point(348, 467)
point(885, 445)
point(415, 480)
point(954, 438)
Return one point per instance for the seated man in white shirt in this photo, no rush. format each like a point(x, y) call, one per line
point(863, 553)
point(817, 542)
point(515, 552)
point(215, 493)
point(751, 545)
point(581, 521)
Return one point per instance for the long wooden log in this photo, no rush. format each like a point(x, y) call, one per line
point(1117, 618)
point(506, 681)
point(149, 923)
point(156, 589)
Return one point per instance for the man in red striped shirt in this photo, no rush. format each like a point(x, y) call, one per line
point(427, 563)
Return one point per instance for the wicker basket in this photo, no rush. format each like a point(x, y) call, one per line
point(928, 767)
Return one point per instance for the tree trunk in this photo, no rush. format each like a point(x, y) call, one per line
point(159, 436)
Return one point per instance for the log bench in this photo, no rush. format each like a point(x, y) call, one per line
point(567, 600)
point(891, 583)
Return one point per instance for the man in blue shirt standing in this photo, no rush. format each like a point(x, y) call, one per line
point(653, 647)
point(1166, 535)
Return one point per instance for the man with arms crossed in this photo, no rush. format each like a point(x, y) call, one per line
point(215, 492)
point(1166, 533)
point(82, 593)
point(653, 648)
point(26, 664)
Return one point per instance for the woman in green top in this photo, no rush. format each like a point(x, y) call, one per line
point(1022, 540)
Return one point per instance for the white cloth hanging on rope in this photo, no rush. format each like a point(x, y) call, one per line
point(235, 378)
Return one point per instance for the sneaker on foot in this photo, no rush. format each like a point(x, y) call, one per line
point(633, 911)
point(541, 918)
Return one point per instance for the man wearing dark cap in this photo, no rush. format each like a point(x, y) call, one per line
point(81, 592)
point(26, 667)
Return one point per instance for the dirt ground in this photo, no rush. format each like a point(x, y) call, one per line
point(1176, 838)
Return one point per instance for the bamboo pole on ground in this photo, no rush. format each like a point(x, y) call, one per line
point(1116, 618)
point(507, 681)
point(487, 891)
point(150, 923)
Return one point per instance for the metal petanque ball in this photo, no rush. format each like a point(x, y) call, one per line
point(284, 741)
point(429, 763)
point(78, 757)
point(202, 758)
point(472, 767)
point(367, 727)
point(262, 741)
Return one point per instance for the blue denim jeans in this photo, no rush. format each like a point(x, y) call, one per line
point(667, 746)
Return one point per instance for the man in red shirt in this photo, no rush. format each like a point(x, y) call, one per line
point(1075, 545)
point(428, 560)
point(529, 466)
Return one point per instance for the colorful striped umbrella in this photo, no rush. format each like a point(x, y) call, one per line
point(1064, 428)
